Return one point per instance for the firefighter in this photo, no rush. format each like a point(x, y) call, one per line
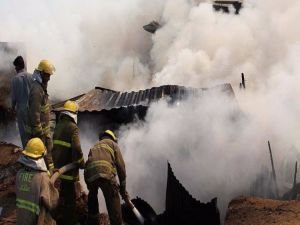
point(20, 88)
point(104, 162)
point(67, 149)
point(35, 194)
point(39, 108)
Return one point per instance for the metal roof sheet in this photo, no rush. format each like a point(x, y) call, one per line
point(100, 98)
point(183, 208)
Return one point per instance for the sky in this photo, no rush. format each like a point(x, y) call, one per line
point(103, 44)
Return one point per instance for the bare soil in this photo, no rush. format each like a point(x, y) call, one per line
point(258, 211)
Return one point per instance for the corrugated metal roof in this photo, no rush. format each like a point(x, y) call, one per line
point(100, 99)
point(182, 208)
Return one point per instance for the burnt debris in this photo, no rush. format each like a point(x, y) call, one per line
point(181, 208)
point(225, 6)
point(152, 27)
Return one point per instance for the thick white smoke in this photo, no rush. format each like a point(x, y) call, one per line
point(210, 154)
point(103, 43)
point(91, 44)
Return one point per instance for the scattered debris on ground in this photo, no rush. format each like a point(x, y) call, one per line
point(252, 210)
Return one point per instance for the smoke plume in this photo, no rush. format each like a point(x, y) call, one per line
point(103, 44)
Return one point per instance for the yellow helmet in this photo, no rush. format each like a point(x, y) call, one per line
point(110, 133)
point(46, 67)
point(35, 148)
point(71, 106)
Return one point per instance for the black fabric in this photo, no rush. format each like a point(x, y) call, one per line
point(67, 193)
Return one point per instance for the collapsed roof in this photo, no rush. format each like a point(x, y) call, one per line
point(100, 99)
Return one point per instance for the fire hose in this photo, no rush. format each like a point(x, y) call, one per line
point(135, 211)
point(72, 166)
point(62, 170)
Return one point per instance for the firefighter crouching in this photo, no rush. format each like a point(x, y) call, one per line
point(67, 149)
point(35, 194)
point(39, 108)
point(104, 162)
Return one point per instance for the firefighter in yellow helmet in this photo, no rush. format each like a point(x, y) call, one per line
point(36, 196)
point(67, 149)
point(39, 108)
point(104, 162)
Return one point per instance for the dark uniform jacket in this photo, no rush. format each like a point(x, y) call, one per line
point(35, 194)
point(39, 116)
point(66, 147)
point(105, 160)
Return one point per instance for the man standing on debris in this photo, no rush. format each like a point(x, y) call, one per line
point(105, 161)
point(67, 149)
point(20, 88)
point(39, 108)
point(35, 194)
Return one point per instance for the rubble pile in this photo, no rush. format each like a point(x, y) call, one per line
point(8, 171)
point(259, 211)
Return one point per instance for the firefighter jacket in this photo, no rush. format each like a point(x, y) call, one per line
point(35, 194)
point(39, 116)
point(105, 160)
point(66, 147)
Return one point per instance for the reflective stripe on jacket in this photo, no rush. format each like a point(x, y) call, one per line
point(39, 110)
point(105, 160)
point(39, 117)
point(34, 191)
point(66, 147)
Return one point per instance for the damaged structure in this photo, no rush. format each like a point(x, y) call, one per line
point(152, 27)
point(226, 6)
point(180, 208)
point(104, 108)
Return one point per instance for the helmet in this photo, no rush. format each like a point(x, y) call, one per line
point(35, 148)
point(71, 106)
point(46, 67)
point(111, 134)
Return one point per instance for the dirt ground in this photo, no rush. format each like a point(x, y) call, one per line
point(8, 169)
point(257, 211)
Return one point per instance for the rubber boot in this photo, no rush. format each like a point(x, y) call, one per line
point(93, 219)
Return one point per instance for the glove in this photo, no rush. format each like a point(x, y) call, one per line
point(124, 193)
point(57, 184)
point(51, 172)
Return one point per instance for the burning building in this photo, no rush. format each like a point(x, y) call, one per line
point(104, 108)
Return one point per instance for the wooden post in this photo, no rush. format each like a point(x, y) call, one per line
point(243, 81)
point(273, 171)
point(295, 175)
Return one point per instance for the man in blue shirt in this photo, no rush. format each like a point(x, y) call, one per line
point(20, 88)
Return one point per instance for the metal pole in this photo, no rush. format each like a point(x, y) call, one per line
point(295, 175)
point(273, 171)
